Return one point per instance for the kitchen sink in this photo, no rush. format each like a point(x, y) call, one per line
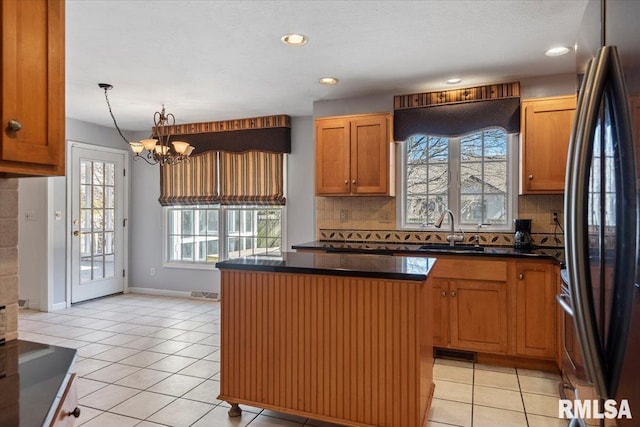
point(456, 248)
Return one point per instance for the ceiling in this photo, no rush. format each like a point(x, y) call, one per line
point(218, 60)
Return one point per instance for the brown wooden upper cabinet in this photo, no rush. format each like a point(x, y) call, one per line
point(546, 125)
point(355, 156)
point(32, 90)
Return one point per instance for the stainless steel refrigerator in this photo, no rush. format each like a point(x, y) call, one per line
point(602, 299)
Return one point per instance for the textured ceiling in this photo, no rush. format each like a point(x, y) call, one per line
point(217, 60)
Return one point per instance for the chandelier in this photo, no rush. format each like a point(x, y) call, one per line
point(157, 147)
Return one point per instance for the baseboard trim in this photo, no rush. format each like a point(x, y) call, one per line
point(59, 306)
point(159, 292)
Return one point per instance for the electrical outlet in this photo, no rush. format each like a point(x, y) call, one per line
point(152, 271)
point(344, 215)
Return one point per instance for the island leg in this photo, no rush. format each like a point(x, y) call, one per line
point(235, 410)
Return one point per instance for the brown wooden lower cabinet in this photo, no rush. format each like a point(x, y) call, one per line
point(496, 306)
point(349, 350)
point(67, 411)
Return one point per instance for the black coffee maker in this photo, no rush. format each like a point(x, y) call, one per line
point(522, 238)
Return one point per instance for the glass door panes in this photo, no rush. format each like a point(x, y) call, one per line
point(97, 220)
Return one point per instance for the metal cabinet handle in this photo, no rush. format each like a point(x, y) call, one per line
point(530, 177)
point(353, 182)
point(453, 294)
point(444, 294)
point(520, 276)
point(75, 413)
point(14, 125)
point(346, 181)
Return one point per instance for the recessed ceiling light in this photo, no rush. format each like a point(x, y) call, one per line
point(453, 81)
point(328, 81)
point(558, 51)
point(294, 39)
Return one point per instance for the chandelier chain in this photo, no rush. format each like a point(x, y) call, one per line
point(112, 116)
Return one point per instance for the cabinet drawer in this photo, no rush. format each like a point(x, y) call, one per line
point(468, 268)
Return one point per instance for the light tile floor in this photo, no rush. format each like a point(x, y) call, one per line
point(150, 360)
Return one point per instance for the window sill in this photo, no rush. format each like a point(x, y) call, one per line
point(190, 265)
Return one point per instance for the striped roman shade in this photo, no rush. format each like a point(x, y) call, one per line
point(251, 178)
point(190, 183)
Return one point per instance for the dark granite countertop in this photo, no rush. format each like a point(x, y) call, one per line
point(337, 264)
point(408, 249)
point(31, 377)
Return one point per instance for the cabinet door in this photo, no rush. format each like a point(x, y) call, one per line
point(33, 87)
point(547, 125)
point(478, 315)
point(332, 157)
point(535, 309)
point(440, 312)
point(370, 151)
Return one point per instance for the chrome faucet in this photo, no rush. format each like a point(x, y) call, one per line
point(451, 238)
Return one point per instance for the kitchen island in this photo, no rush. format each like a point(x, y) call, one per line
point(341, 338)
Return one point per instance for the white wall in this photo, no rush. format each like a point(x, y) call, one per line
point(32, 240)
point(300, 183)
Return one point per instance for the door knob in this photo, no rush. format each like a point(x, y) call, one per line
point(346, 181)
point(453, 294)
point(14, 125)
point(530, 177)
point(353, 182)
point(520, 276)
point(444, 293)
point(76, 233)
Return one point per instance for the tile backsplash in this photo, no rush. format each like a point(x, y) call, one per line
point(8, 259)
point(374, 219)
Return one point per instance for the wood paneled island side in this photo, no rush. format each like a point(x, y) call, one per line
point(342, 338)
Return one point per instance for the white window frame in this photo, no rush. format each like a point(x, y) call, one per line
point(454, 188)
point(222, 234)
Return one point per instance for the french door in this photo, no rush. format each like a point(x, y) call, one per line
point(97, 222)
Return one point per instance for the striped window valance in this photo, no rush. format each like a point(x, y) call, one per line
point(253, 177)
point(190, 183)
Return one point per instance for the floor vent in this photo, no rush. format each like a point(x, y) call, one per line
point(210, 296)
point(465, 356)
point(23, 303)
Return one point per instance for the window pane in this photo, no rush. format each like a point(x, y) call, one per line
point(438, 179)
point(201, 216)
point(438, 149)
point(212, 222)
point(471, 177)
point(471, 147)
point(98, 197)
point(98, 173)
point(109, 173)
point(495, 174)
point(416, 179)
point(471, 209)
point(187, 222)
point(495, 145)
point(108, 197)
point(496, 208)
point(85, 172)
point(417, 150)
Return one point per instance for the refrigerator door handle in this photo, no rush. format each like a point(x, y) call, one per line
point(604, 69)
point(580, 152)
